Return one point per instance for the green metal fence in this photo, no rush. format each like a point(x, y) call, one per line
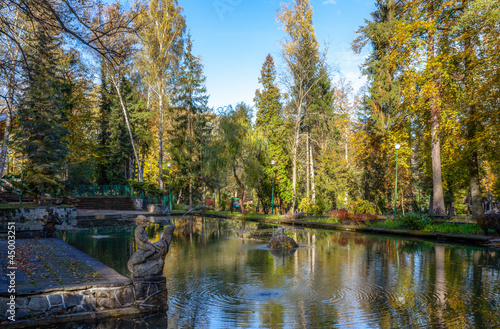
point(104, 190)
point(117, 190)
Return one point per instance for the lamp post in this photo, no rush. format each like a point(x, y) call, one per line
point(397, 146)
point(169, 183)
point(272, 195)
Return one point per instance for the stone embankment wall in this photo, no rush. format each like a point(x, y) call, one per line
point(70, 303)
point(31, 218)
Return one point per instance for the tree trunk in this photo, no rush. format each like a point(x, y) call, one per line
point(473, 163)
point(42, 195)
point(242, 191)
point(160, 144)
point(475, 188)
point(437, 181)
point(125, 115)
point(294, 161)
point(179, 197)
point(190, 194)
point(11, 85)
point(218, 204)
point(308, 173)
point(6, 136)
point(311, 162)
point(242, 199)
point(438, 197)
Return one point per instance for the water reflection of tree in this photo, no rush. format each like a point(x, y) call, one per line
point(336, 278)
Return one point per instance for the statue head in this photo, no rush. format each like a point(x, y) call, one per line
point(169, 229)
point(141, 220)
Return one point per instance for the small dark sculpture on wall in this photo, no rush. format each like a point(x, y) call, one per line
point(49, 223)
point(149, 259)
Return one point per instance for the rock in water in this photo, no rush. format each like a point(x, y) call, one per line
point(282, 242)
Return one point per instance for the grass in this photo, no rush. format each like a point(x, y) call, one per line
point(448, 227)
point(321, 220)
point(426, 225)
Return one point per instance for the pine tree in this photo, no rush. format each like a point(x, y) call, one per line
point(270, 121)
point(379, 104)
point(189, 125)
point(103, 118)
point(41, 135)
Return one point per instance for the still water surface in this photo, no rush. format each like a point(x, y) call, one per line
point(221, 275)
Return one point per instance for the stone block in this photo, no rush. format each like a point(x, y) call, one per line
point(22, 314)
point(125, 296)
point(55, 300)
point(21, 302)
point(3, 307)
point(88, 304)
point(57, 310)
point(71, 300)
point(38, 304)
point(102, 294)
point(108, 303)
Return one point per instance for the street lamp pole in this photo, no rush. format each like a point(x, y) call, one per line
point(169, 184)
point(397, 146)
point(272, 195)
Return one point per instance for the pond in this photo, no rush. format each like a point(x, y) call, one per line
point(221, 275)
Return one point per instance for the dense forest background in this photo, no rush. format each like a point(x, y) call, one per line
point(99, 94)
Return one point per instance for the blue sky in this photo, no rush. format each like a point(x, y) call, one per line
point(233, 37)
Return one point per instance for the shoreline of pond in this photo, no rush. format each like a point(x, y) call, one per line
point(478, 240)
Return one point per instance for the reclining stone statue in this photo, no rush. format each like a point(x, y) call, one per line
point(149, 259)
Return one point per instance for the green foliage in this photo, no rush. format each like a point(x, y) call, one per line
point(391, 224)
point(270, 123)
point(40, 134)
point(182, 207)
point(319, 206)
point(189, 132)
point(306, 205)
point(363, 206)
point(415, 221)
point(146, 187)
point(115, 164)
point(454, 228)
point(448, 227)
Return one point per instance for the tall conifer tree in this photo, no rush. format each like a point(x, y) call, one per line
point(41, 135)
point(270, 120)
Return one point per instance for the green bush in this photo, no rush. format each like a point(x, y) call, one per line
point(146, 187)
point(363, 206)
point(454, 228)
point(182, 207)
point(415, 221)
point(306, 205)
point(319, 207)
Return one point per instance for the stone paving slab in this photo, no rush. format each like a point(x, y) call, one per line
point(52, 264)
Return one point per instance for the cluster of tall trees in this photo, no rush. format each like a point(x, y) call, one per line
point(104, 95)
point(433, 88)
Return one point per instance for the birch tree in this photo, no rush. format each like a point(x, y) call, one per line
point(300, 51)
point(161, 37)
